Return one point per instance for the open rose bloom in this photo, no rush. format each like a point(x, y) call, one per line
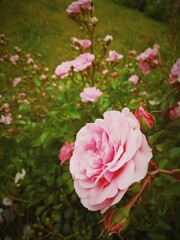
point(80, 44)
point(148, 59)
point(63, 69)
point(109, 155)
point(134, 79)
point(90, 94)
point(83, 61)
point(77, 6)
point(114, 56)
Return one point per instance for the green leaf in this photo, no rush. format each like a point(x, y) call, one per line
point(41, 140)
point(156, 236)
point(175, 153)
point(73, 113)
point(163, 225)
point(24, 107)
point(153, 138)
point(39, 210)
point(172, 190)
point(163, 147)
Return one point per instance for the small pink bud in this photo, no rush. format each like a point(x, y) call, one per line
point(116, 220)
point(65, 152)
point(145, 119)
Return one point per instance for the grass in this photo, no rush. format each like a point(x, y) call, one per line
point(44, 27)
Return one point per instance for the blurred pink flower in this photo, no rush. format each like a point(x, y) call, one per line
point(35, 66)
point(115, 75)
point(94, 20)
point(148, 59)
point(132, 52)
point(90, 94)
point(105, 71)
point(28, 55)
point(29, 60)
point(174, 75)
point(76, 7)
point(63, 69)
point(24, 101)
point(5, 105)
point(175, 112)
point(109, 156)
point(14, 59)
point(22, 94)
point(83, 61)
point(16, 81)
point(6, 119)
point(82, 44)
point(114, 56)
point(108, 38)
point(134, 79)
point(65, 152)
point(43, 77)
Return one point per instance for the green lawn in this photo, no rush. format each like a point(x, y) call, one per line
point(43, 26)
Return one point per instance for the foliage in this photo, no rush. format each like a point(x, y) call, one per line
point(160, 10)
point(51, 30)
point(43, 112)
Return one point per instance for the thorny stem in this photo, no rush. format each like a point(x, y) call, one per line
point(147, 180)
point(169, 172)
point(22, 200)
point(133, 200)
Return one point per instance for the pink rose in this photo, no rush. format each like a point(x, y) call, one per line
point(174, 75)
point(63, 69)
point(148, 59)
point(29, 60)
point(94, 20)
point(108, 38)
point(43, 77)
point(145, 118)
point(105, 71)
point(175, 112)
point(75, 7)
point(114, 56)
point(6, 119)
point(109, 155)
point(134, 79)
point(86, 43)
point(14, 59)
point(114, 75)
point(132, 52)
point(90, 94)
point(83, 61)
point(16, 81)
point(65, 152)
point(83, 44)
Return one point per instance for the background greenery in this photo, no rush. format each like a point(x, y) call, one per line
point(43, 26)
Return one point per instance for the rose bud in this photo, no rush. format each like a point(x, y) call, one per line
point(145, 119)
point(116, 220)
point(65, 152)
